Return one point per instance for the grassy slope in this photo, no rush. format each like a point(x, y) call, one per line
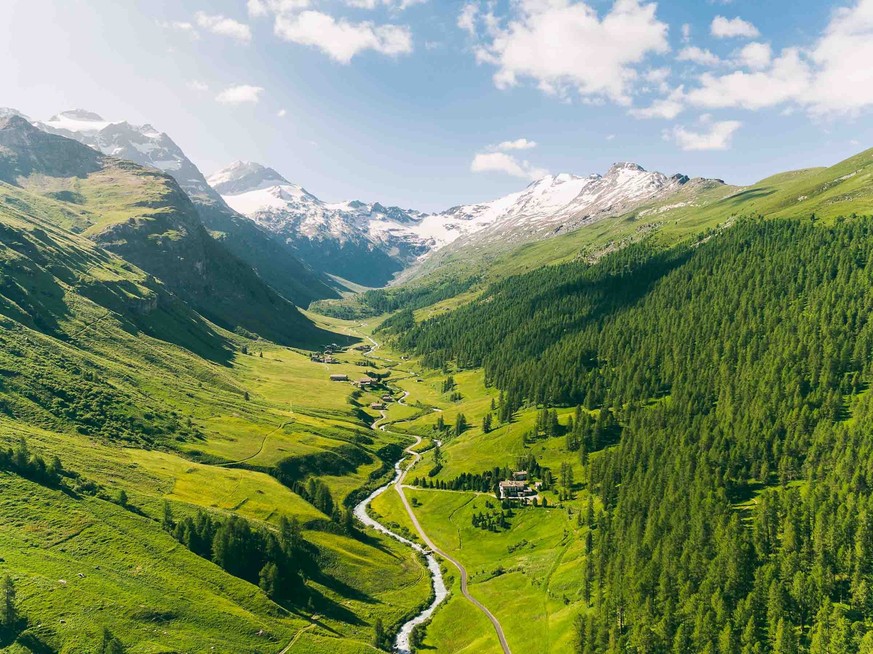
point(86, 334)
point(841, 189)
point(530, 575)
point(142, 215)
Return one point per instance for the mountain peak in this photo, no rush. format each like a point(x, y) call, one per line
point(78, 114)
point(625, 165)
point(78, 120)
point(244, 176)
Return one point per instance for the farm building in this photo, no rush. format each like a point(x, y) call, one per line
point(387, 398)
point(379, 406)
point(339, 378)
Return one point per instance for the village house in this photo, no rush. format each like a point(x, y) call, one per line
point(520, 475)
point(378, 406)
point(366, 381)
point(387, 398)
point(514, 490)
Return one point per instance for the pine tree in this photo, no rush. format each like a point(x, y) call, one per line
point(9, 616)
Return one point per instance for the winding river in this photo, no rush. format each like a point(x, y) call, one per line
point(401, 644)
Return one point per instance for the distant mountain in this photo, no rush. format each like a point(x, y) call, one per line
point(142, 215)
point(274, 261)
point(368, 243)
point(363, 243)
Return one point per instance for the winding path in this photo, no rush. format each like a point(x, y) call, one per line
point(399, 486)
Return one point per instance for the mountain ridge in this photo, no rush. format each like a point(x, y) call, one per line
point(147, 146)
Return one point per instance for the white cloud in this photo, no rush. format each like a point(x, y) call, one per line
point(686, 32)
point(197, 85)
point(756, 56)
point(256, 8)
point(223, 26)
point(240, 94)
point(181, 26)
point(281, 113)
point(787, 79)
point(340, 39)
point(564, 45)
point(844, 82)
point(517, 144)
point(501, 162)
point(467, 18)
point(261, 8)
point(391, 4)
point(724, 28)
point(698, 56)
point(715, 136)
point(668, 107)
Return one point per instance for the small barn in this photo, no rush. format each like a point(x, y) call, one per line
point(339, 378)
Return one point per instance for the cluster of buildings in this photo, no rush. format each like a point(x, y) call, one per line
point(519, 488)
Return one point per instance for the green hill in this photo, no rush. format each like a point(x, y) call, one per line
point(126, 398)
point(142, 215)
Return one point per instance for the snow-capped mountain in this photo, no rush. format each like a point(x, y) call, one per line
point(142, 144)
point(361, 242)
point(271, 258)
point(552, 205)
point(560, 203)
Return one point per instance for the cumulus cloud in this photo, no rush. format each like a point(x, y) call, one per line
point(698, 56)
point(787, 79)
point(667, 108)
point(756, 56)
point(827, 77)
point(240, 94)
point(844, 83)
point(564, 45)
point(467, 18)
point(724, 28)
point(281, 113)
point(517, 144)
point(197, 85)
point(260, 8)
point(223, 26)
point(711, 135)
point(340, 39)
point(391, 4)
point(501, 162)
point(181, 26)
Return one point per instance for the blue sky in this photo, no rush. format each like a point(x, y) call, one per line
point(432, 103)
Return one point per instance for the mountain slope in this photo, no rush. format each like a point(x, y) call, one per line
point(105, 369)
point(363, 243)
point(326, 233)
point(273, 260)
point(142, 215)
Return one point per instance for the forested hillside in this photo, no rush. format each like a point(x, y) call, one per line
point(736, 506)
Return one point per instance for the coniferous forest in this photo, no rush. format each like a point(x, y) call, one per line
point(735, 510)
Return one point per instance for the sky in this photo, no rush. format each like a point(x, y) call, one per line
point(428, 104)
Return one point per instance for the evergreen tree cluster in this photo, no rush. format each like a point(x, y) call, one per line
point(31, 465)
point(736, 494)
point(275, 560)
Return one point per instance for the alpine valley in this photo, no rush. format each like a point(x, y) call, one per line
point(625, 412)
